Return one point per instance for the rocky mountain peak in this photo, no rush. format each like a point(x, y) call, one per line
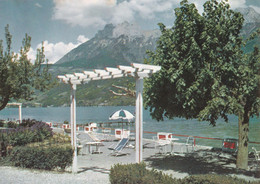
point(129, 29)
point(250, 15)
point(107, 32)
point(115, 44)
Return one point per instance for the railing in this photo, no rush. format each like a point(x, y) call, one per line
point(149, 132)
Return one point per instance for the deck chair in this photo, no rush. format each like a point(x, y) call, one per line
point(190, 143)
point(117, 150)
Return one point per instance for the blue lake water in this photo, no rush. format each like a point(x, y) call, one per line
point(176, 126)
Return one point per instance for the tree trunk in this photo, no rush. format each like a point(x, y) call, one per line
point(243, 129)
point(4, 102)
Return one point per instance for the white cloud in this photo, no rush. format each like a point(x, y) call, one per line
point(55, 51)
point(84, 12)
point(233, 4)
point(32, 55)
point(100, 12)
point(38, 5)
point(237, 4)
point(82, 39)
point(97, 13)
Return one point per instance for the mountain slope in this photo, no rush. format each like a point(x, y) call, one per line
point(127, 43)
point(121, 44)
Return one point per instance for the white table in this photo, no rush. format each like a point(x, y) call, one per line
point(96, 145)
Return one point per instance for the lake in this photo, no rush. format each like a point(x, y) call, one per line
point(176, 126)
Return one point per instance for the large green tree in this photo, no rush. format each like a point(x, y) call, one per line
point(19, 76)
point(205, 74)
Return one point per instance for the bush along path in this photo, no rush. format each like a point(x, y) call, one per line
point(138, 173)
point(32, 144)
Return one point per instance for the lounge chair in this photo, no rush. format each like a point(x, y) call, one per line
point(117, 150)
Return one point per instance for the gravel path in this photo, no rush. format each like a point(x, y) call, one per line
point(12, 175)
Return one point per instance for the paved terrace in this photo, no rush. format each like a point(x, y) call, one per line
point(95, 168)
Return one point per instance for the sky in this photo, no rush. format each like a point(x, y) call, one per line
point(62, 25)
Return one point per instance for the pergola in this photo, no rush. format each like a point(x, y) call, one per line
point(20, 110)
point(136, 70)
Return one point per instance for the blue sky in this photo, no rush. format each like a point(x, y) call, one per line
point(64, 24)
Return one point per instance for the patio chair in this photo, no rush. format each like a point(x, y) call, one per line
point(122, 133)
point(162, 140)
point(257, 156)
point(118, 134)
point(190, 143)
point(80, 147)
point(106, 134)
point(117, 150)
point(80, 141)
point(230, 145)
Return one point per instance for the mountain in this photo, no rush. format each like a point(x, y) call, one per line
point(127, 43)
point(251, 24)
point(249, 14)
point(251, 20)
point(122, 44)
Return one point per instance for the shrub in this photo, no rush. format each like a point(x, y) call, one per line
point(3, 143)
point(2, 123)
point(24, 135)
point(42, 157)
point(37, 132)
point(28, 122)
point(137, 173)
point(12, 124)
point(213, 179)
point(65, 122)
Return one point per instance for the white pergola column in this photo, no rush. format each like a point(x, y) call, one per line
point(73, 127)
point(20, 113)
point(139, 120)
point(140, 71)
point(20, 110)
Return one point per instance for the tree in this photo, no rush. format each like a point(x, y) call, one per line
point(205, 74)
point(19, 77)
point(123, 91)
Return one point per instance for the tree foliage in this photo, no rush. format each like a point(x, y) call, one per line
point(204, 71)
point(19, 77)
point(205, 74)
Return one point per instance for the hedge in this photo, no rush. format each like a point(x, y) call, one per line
point(138, 174)
point(41, 157)
point(28, 132)
point(214, 179)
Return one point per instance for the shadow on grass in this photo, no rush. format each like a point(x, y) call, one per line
point(200, 162)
